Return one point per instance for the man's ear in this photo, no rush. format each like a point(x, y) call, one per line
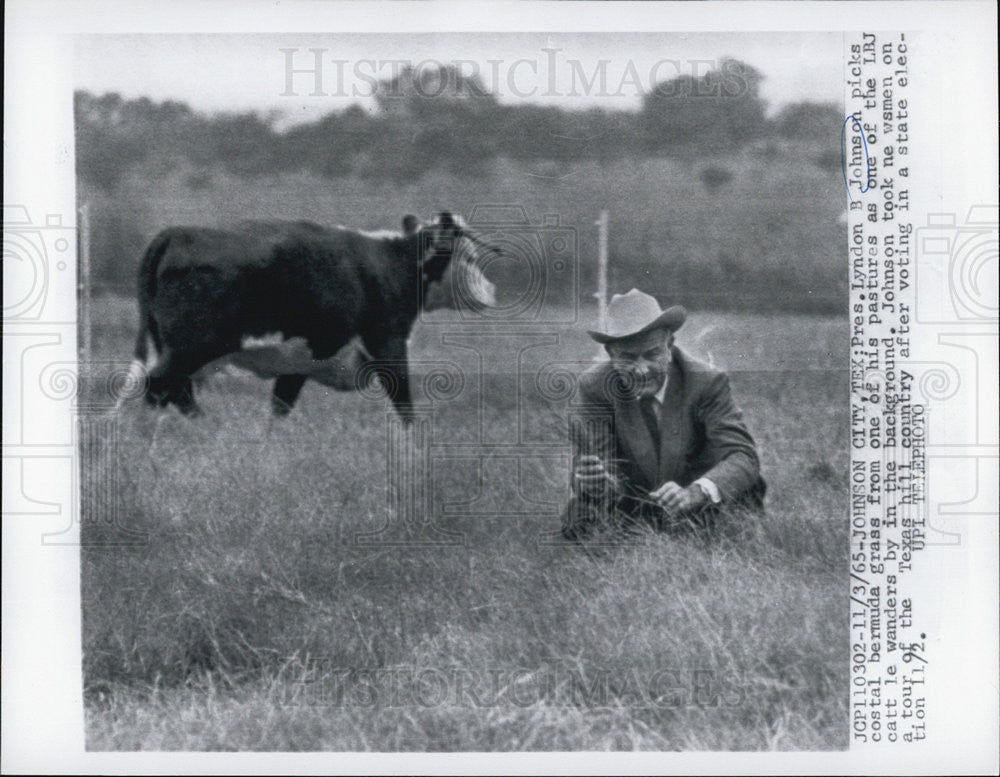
point(410, 224)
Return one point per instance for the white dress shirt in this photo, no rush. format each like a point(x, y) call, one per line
point(707, 486)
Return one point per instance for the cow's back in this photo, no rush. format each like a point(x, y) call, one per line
point(345, 273)
point(317, 274)
point(297, 278)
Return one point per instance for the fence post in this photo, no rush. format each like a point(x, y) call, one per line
point(602, 268)
point(83, 280)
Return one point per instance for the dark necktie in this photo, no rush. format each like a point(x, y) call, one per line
point(651, 414)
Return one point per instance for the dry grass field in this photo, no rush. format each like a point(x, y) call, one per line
point(245, 599)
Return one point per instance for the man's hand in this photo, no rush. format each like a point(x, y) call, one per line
point(674, 499)
point(590, 474)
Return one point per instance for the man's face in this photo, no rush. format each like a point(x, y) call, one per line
point(642, 360)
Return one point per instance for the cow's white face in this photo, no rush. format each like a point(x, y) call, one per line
point(461, 284)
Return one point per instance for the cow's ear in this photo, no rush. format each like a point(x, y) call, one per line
point(410, 224)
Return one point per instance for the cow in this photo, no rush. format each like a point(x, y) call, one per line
point(204, 291)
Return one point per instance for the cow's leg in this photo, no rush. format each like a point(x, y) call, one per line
point(168, 383)
point(161, 378)
point(286, 391)
point(183, 397)
point(170, 380)
point(394, 374)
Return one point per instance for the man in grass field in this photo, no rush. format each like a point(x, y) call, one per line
point(658, 438)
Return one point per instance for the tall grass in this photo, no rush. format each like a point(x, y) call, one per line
point(242, 613)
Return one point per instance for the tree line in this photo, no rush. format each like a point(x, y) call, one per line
point(461, 129)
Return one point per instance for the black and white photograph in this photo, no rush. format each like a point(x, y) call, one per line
point(510, 389)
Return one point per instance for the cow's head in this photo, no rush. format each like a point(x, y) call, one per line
point(451, 262)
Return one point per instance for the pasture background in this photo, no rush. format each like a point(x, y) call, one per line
point(768, 239)
point(715, 197)
point(247, 584)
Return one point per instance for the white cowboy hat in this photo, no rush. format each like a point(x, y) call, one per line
point(636, 313)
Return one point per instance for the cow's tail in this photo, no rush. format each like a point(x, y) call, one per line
point(148, 330)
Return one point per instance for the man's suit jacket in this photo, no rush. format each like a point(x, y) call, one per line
point(702, 433)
